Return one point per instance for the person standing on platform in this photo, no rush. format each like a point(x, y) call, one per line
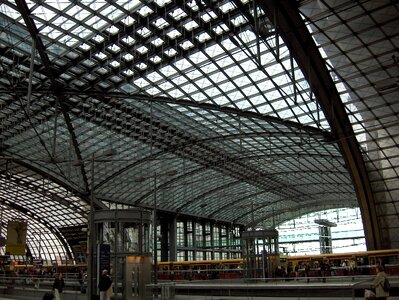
point(104, 286)
point(58, 286)
point(378, 284)
point(81, 282)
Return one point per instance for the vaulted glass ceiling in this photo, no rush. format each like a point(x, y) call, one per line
point(203, 103)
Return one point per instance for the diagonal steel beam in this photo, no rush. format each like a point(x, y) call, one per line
point(27, 16)
point(34, 33)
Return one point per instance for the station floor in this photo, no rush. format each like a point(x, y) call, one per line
point(191, 297)
point(293, 290)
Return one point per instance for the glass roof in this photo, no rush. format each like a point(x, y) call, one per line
point(202, 103)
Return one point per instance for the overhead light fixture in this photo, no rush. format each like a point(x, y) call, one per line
point(386, 84)
point(109, 152)
point(324, 222)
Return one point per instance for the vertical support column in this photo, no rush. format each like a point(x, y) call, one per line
point(212, 241)
point(116, 255)
point(165, 227)
point(185, 240)
point(203, 245)
point(155, 233)
point(173, 239)
point(325, 235)
point(220, 241)
point(325, 239)
point(228, 241)
point(194, 235)
point(92, 248)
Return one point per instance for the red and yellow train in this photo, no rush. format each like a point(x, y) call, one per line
point(340, 264)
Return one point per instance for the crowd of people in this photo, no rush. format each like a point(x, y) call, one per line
point(27, 276)
point(316, 269)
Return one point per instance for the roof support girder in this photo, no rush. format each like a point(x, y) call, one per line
point(26, 15)
point(31, 214)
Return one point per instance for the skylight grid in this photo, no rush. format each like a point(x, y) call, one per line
point(96, 23)
point(202, 85)
point(18, 38)
point(62, 25)
point(9, 11)
point(44, 13)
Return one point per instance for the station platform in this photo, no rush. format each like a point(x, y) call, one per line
point(301, 288)
point(192, 297)
point(316, 289)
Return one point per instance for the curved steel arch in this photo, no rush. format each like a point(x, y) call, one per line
point(278, 9)
point(285, 16)
point(258, 220)
point(29, 214)
point(24, 163)
point(299, 213)
point(169, 182)
point(214, 190)
point(185, 103)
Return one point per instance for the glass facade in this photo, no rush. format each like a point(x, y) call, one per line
point(210, 241)
point(301, 235)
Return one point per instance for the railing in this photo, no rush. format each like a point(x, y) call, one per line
point(34, 287)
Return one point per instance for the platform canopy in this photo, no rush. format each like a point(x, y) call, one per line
point(325, 223)
point(245, 112)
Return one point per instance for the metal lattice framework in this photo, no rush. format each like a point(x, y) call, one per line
point(246, 112)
